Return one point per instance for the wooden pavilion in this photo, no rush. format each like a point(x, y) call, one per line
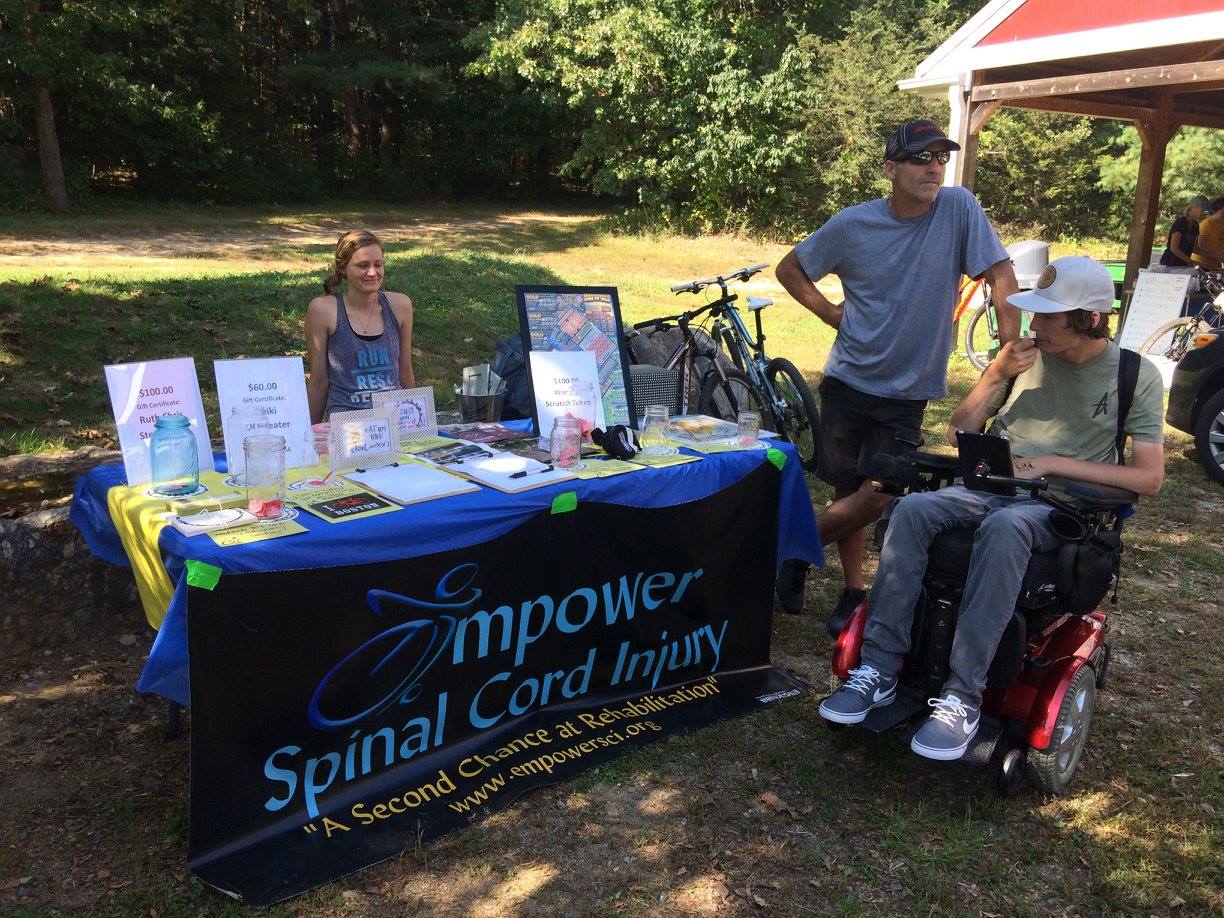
point(1159, 64)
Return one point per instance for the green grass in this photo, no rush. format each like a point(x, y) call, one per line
point(871, 829)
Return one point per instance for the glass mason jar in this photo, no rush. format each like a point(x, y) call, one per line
point(265, 475)
point(748, 428)
point(565, 442)
point(175, 456)
point(584, 408)
point(244, 421)
point(654, 437)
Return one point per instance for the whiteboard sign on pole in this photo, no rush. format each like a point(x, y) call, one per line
point(1158, 298)
point(276, 384)
point(140, 393)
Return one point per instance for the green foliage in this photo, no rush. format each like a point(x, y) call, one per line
point(1194, 164)
point(759, 116)
point(269, 99)
point(1038, 171)
point(717, 114)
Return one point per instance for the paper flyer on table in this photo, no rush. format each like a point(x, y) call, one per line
point(605, 468)
point(339, 501)
point(662, 462)
point(256, 532)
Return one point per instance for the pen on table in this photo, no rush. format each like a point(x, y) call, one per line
point(525, 472)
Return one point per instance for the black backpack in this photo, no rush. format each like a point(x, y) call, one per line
point(508, 363)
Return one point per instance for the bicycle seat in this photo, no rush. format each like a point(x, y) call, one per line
point(758, 302)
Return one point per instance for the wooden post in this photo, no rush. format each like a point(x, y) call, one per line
point(1155, 139)
point(967, 118)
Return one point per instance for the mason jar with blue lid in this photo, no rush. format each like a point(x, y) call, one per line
point(175, 457)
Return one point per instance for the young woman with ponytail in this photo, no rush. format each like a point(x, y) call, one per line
point(359, 341)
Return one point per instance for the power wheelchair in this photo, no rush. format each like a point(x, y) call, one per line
point(1041, 686)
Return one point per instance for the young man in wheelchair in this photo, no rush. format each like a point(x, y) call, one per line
point(1055, 398)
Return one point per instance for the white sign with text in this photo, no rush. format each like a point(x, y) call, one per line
point(566, 383)
point(276, 384)
point(1158, 298)
point(140, 393)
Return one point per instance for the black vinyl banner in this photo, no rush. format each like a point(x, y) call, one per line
point(342, 714)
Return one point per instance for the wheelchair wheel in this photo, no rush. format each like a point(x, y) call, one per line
point(1011, 773)
point(1052, 769)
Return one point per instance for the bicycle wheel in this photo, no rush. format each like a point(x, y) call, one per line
point(980, 336)
point(798, 419)
point(726, 396)
point(1171, 340)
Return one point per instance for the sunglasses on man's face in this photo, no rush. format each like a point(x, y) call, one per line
point(924, 157)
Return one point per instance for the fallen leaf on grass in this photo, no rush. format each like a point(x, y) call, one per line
point(773, 802)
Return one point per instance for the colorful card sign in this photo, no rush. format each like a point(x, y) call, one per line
point(413, 407)
point(140, 393)
point(276, 384)
point(363, 439)
point(565, 383)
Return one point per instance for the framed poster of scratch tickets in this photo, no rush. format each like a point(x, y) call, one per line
point(580, 319)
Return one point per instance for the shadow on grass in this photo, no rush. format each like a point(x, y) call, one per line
point(56, 335)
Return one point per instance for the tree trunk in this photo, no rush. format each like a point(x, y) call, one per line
point(49, 152)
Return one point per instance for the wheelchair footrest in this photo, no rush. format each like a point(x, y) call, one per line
point(984, 742)
point(903, 708)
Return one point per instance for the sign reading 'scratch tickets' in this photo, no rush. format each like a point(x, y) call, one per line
point(140, 393)
point(565, 383)
point(413, 407)
point(580, 319)
point(276, 384)
point(363, 439)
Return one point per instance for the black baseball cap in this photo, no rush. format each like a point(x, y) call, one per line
point(915, 135)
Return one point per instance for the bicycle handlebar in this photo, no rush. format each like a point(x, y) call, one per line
point(742, 274)
point(682, 318)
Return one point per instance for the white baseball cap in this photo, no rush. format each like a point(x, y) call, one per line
point(1067, 283)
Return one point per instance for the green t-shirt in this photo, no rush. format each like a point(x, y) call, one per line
point(1057, 408)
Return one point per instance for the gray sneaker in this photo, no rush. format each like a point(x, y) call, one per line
point(949, 730)
point(866, 688)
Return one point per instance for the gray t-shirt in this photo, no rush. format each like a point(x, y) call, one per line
point(900, 279)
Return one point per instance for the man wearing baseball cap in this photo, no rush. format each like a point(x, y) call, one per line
point(900, 261)
point(1055, 398)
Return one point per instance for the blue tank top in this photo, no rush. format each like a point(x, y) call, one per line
point(358, 366)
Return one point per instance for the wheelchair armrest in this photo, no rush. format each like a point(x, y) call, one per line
point(1100, 496)
point(936, 462)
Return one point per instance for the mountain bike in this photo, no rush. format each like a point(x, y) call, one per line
point(981, 335)
point(1174, 339)
point(731, 370)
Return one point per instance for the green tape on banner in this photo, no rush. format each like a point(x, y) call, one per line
point(777, 457)
point(564, 503)
point(203, 575)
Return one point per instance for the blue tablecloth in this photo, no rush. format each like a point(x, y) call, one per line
point(420, 529)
